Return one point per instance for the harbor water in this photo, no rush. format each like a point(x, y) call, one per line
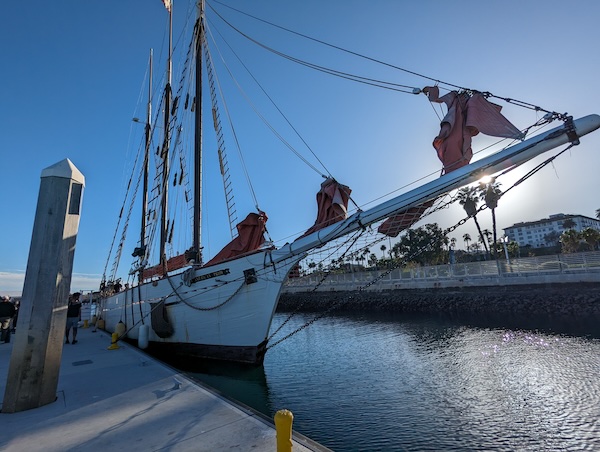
point(386, 382)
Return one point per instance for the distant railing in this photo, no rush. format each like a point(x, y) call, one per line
point(576, 263)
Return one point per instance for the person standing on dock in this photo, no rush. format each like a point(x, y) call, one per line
point(7, 312)
point(73, 316)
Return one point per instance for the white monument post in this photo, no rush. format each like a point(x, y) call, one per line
point(35, 361)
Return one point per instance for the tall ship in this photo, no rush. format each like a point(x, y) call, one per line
point(222, 306)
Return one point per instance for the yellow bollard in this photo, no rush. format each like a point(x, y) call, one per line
point(114, 339)
point(283, 427)
point(85, 324)
point(121, 329)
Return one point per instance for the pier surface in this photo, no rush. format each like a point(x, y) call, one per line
point(125, 400)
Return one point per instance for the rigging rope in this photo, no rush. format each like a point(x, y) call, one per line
point(357, 78)
point(124, 232)
point(274, 105)
point(369, 81)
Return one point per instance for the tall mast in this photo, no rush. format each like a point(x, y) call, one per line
point(146, 164)
point(197, 239)
point(165, 151)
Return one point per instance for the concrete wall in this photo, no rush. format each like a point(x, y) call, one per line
point(580, 300)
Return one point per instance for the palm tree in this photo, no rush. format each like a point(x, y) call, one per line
point(591, 237)
point(570, 241)
point(491, 193)
point(598, 214)
point(513, 249)
point(383, 248)
point(467, 239)
point(372, 260)
point(468, 198)
point(365, 253)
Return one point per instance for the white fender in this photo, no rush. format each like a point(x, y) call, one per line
point(143, 333)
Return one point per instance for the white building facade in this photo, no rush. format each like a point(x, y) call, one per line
point(546, 232)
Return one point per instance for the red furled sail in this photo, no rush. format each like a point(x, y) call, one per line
point(250, 238)
point(332, 204)
point(174, 263)
point(467, 116)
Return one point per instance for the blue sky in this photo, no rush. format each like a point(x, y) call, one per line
point(74, 73)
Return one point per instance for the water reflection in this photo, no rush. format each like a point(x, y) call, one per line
point(373, 382)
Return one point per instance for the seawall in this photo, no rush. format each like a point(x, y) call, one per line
point(581, 299)
point(565, 308)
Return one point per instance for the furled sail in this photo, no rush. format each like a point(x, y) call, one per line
point(468, 114)
point(250, 238)
point(332, 204)
point(174, 263)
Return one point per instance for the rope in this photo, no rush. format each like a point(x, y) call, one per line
point(360, 79)
point(327, 44)
point(263, 119)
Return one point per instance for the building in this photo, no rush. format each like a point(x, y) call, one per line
point(547, 231)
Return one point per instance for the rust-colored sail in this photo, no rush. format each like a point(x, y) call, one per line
point(467, 116)
point(250, 238)
point(332, 204)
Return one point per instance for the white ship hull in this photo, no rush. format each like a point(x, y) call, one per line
point(215, 312)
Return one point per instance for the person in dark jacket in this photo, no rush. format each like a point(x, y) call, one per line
point(73, 316)
point(7, 312)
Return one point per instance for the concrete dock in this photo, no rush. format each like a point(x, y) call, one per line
point(125, 400)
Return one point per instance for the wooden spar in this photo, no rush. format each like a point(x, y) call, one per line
point(146, 169)
point(510, 157)
point(165, 150)
point(197, 232)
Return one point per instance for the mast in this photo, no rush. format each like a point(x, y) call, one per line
point(165, 151)
point(145, 179)
point(197, 232)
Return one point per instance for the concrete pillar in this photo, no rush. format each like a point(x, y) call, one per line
point(35, 361)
